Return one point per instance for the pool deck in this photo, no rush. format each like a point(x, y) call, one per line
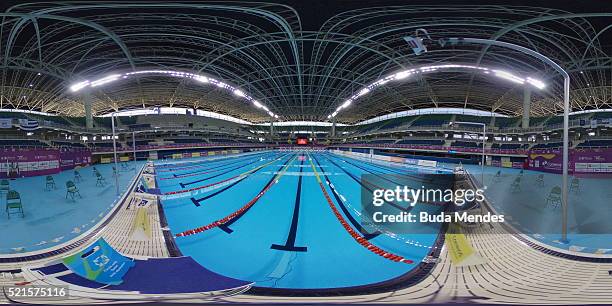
point(511, 272)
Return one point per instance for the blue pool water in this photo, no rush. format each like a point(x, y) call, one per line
point(51, 219)
point(290, 238)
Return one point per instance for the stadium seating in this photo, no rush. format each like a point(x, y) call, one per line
point(466, 144)
point(428, 142)
point(596, 143)
point(22, 143)
point(550, 145)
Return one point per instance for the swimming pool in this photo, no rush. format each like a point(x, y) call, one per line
point(291, 236)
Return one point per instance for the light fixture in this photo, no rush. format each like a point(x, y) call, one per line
point(179, 74)
point(400, 75)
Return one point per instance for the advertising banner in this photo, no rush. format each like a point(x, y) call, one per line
point(19, 163)
point(70, 158)
point(546, 161)
point(100, 263)
point(592, 161)
point(581, 161)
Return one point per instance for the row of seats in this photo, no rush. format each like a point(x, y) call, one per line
point(22, 142)
point(596, 143)
point(433, 142)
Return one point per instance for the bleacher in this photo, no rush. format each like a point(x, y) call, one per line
point(504, 122)
point(538, 121)
point(509, 146)
point(22, 143)
point(427, 142)
point(393, 123)
point(12, 115)
point(67, 144)
point(469, 118)
point(466, 144)
point(103, 144)
point(381, 141)
point(221, 140)
point(596, 143)
point(185, 140)
point(102, 122)
point(549, 145)
point(432, 120)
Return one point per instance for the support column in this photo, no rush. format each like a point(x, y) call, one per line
point(87, 105)
point(333, 127)
point(526, 107)
point(271, 130)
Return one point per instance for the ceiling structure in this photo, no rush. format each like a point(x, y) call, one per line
point(263, 50)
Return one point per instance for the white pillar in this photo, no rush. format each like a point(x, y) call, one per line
point(87, 105)
point(526, 106)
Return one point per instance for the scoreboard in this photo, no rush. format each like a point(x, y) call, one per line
point(302, 141)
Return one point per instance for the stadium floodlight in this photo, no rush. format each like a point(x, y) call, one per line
point(509, 76)
point(78, 86)
point(239, 93)
point(178, 74)
point(437, 68)
point(105, 80)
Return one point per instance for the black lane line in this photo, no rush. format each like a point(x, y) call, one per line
point(290, 243)
point(216, 175)
point(196, 202)
point(225, 226)
point(202, 163)
point(406, 209)
point(218, 167)
point(366, 235)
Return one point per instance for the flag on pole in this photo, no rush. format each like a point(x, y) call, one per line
point(6, 123)
point(28, 124)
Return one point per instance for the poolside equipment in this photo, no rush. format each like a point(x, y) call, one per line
point(540, 180)
point(554, 197)
point(122, 278)
point(4, 186)
point(141, 229)
point(72, 190)
point(13, 204)
point(575, 185)
point(49, 183)
point(77, 176)
point(100, 180)
point(516, 185)
point(497, 176)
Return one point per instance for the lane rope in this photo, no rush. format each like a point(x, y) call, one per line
point(233, 215)
point(356, 236)
point(246, 173)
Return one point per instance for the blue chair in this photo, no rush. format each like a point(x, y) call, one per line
point(4, 186)
point(72, 190)
point(575, 185)
point(100, 180)
point(49, 183)
point(77, 176)
point(554, 197)
point(13, 204)
point(516, 185)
